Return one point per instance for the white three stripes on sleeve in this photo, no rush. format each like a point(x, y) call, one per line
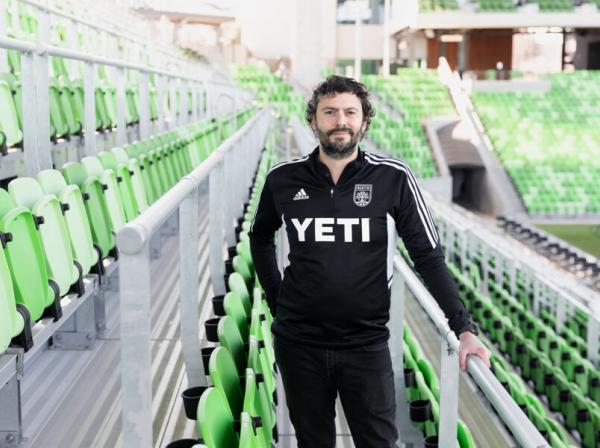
point(414, 188)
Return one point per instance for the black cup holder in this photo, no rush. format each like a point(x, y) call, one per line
point(206, 352)
point(420, 411)
point(217, 302)
point(549, 379)
point(564, 396)
point(431, 442)
point(409, 378)
point(191, 397)
point(210, 326)
point(231, 252)
point(534, 363)
point(184, 443)
point(229, 267)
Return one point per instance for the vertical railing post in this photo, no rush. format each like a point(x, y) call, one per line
point(136, 362)
point(189, 296)
point(229, 198)
point(407, 430)
point(193, 86)
point(215, 223)
point(144, 106)
point(89, 97)
point(160, 99)
point(121, 106)
point(4, 68)
point(172, 103)
point(448, 396)
point(183, 102)
point(593, 333)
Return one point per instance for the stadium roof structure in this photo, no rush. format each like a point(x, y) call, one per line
point(482, 20)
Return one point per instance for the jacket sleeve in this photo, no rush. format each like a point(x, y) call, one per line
point(262, 244)
point(417, 230)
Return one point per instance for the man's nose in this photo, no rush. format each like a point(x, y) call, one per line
point(342, 120)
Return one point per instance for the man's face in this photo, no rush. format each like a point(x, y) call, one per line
point(339, 124)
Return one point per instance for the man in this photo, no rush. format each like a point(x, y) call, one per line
point(342, 208)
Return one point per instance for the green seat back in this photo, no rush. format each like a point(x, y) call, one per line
point(238, 285)
point(230, 338)
point(53, 231)
point(78, 226)
point(124, 182)
point(95, 205)
point(111, 190)
point(25, 257)
point(11, 321)
point(240, 266)
point(137, 179)
point(235, 308)
point(9, 122)
point(215, 420)
point(256, 403)
point(224, 375)
point(464, 436)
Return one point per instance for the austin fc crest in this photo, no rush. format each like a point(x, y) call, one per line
point(362, 194)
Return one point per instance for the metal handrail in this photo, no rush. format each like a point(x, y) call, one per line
point(229, 172)
point(65, 15)
point(41, 48)
point(511, 414)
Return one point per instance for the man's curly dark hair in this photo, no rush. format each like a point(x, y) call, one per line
point(340, 84)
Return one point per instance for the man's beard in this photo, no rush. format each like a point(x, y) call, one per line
point(338, 149)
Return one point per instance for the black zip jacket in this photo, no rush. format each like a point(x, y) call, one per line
point(335, 292)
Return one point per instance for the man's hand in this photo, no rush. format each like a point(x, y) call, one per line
point(471, 345)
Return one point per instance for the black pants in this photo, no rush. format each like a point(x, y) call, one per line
point(363, 377)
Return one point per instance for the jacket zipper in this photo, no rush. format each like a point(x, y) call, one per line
point(331, 193)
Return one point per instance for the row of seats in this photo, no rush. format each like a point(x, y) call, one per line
point(551, 364)
point(548, 142)
point(66, 92)
point(414, 94)
point(501, 5)
point(271, 89)
point(59, 226)
point(237, 409)
point(492, 323)
point(569, 257)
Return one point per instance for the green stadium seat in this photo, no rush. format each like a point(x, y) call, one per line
point(124, 182)
point(62, 268)
point(9, 121)
point(96, 206)
point(224, 376)
point(259, 362)
point(33, 287)
point(14, 318)
point(232, 303)
point(230, 338)
point(257, 403)
point(215, 420)
point(249, 437)
point(237, 285)
point(108, 178)
point(78, 225)
point(137, 181)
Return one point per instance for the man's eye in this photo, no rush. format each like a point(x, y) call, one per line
point(351, 112)
point(328, 112)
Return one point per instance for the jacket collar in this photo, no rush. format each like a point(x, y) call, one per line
point(322, 169)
